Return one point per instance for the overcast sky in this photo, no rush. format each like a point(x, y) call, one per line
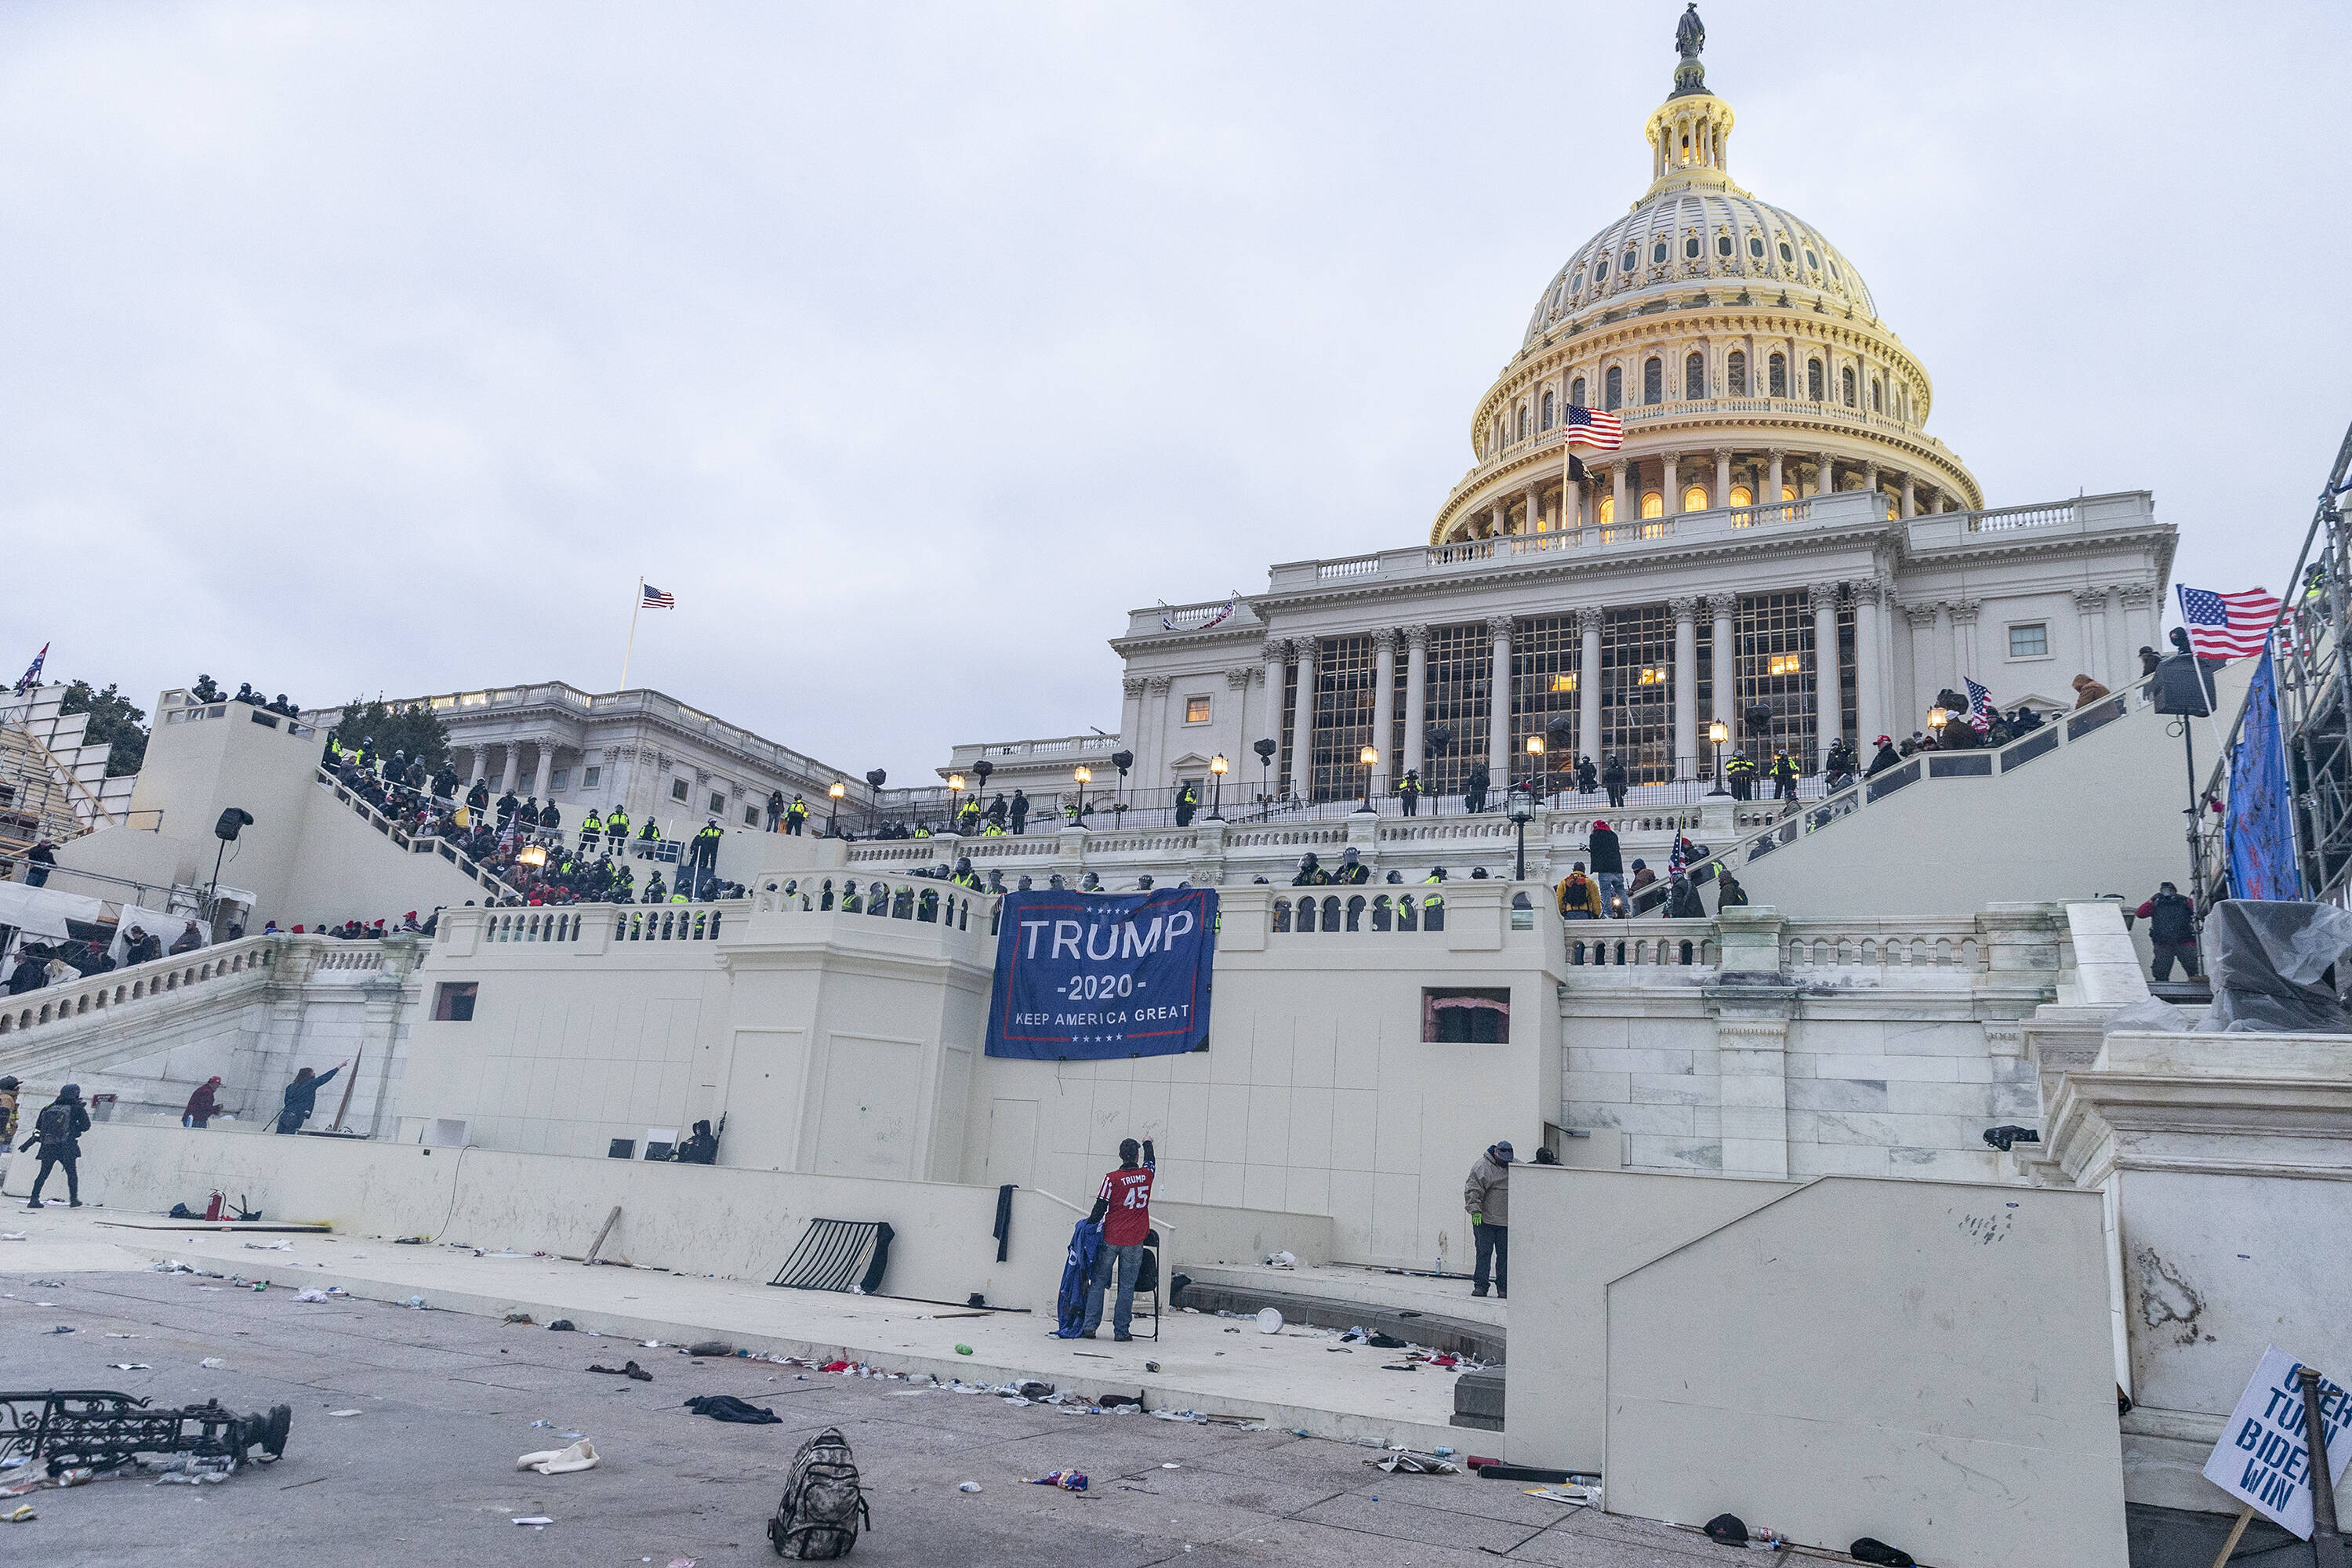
point(356, 349)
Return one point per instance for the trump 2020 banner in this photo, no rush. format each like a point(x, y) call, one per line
point(1092, 976)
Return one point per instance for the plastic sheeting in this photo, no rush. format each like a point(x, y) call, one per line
point(2267, 961)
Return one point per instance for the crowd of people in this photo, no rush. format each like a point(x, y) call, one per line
point(35, 965)
point(206, 691)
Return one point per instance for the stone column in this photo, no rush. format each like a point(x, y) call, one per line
point(480, 764)
point(1670, 488)
point(1869, 721)
point(1130, 713)
point(1587, 684)
point(1571, 492)
point(1302, 721)
point(1925, 677)
point(513, 765)
point(1151, 755)
point(1383, 707)
point(1416, 678)
point(1535, 510)
point(1828, 692)
point(1773, 482)
point(1726, 653)
point(1498, 704)
point(1910, 495)
point(1870, 477)
point(1274, 656)
point(1686, 746)
point(1236, 725)
point(2091, 616)
point(1499, 521)
point(1722, 476)
point(1964, 638)
point(1618, 477)
point(1826, 481)
point(2139, 628)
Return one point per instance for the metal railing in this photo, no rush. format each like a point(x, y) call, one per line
point(419, 843)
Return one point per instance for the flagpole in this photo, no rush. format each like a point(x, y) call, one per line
point(632, 648)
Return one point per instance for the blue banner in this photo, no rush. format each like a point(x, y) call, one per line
point(1093, 976)
point(2261, 840)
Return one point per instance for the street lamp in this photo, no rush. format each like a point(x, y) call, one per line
point(1370, 757)
point(1521, 804)
point(833, 821)
point(1085, 775)
point(1535, 753)
point(1718, 732)
point(1217, 766)
point(955, 802)
point(1265, 750)
point(1936, 719)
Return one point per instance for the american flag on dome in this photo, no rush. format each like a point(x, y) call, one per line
point(1591, 427)
point(1979, 709)
point(655, 599)
point(2227, 625)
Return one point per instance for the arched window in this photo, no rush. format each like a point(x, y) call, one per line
point(1547, 411)
point(1788, 492)
point(1653, 381)
point(1723, 245)
point(1878, 395)
point(1845, 384)
point(1616, 387)
point(1629, 261)
point(1690, 248)
point(1777, 368)
point(1756, 246)
point(1694, 377)
point(1523, 420)
point(1813, 379)
point(1734, 373)
point(1652, 504)
point(1608, 510)
point(1658, 253)
point(1742, 496)
point(1695, 499)
point(1576, 393)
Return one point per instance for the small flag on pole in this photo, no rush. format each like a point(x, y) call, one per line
point(2227, 625)
point(1591, 427)
point(32, 677)
point(655, 599)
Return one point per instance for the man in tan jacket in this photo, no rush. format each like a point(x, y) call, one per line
point(1487, 1195)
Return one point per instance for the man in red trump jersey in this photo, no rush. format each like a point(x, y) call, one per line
point(1123, 1209)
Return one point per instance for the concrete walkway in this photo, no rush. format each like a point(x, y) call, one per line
point(1300, 1380)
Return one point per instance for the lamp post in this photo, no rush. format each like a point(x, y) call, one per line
point(980, 770)
point(1936, 719)
point(1122, 761)
point(1085, 775)
point(1718, 732)
point(1217, 766)
point(955, 802)
point(1265, 750)
point(833, 821)
point(1535, 763)
point(1370, 757)
point(1521, 804)
point(875, 779)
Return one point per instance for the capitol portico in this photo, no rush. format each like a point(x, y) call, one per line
point(1777, 532)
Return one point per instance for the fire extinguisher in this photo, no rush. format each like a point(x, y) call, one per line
point(212, 1209)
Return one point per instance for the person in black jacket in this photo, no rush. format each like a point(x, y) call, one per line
point(1612, 779)
point(1885, 758)
point(1020, 809)
point(302, 1096)
point(58, 1129)
point(1473, 794)
point(2171, 932)
point(1607, 868)
point(1588, 777)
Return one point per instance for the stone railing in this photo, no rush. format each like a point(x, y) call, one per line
point(168, 975)
point(921, 900)
point(1359, 909)
point(1803, 952)
point(589, 931)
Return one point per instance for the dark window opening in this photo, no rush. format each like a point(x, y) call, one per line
point(453, 1002)
point(1480, 1017)
point(620, 1148)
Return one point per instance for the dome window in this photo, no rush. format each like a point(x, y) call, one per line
point(1756, 246)
point(1690, 248)
point(1695, 499)
point(1653, 381)
point(1616, 387)
point(1576, 391)
point(1658, 253)
point(1723, 245)
point(1600, 270)
point(1742, 496)
point(1734, 373)
point(1786, 254)
point(1632, 259)
point(1878, 395)
point(1777, 368)
point(1653, 505)
point(1693, 378)
point(1813, 379)
point(1547, 410)
point(1835, 273)
point(1845, 384)
point(1813, 261)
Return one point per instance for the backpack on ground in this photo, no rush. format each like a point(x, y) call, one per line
point(823, 1508)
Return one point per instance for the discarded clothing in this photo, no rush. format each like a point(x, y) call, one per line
point(726, 1408)
point(561, 1326)
point(1870, 1549)
point(581, 1455)
point(631, 1370)
point(1408, 1463)
point(1068, 1480)
point(1386, 1342)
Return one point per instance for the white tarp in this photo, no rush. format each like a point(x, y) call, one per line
point(2263, 1458)
point(43, 912)
point(165, 928)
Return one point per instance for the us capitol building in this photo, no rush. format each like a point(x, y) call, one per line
point(1777, 530)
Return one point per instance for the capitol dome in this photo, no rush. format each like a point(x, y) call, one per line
point(1741, 351)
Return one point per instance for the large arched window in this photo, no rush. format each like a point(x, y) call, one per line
point(1608, 510)
point(1777, 368)
point(1616, 387)
point(1523, 420)
point(1576, 394)
point(1878, 395)
point(1653, 381)
point(1652, 504)
point(1734, 373)
point(1547, 411)
point(1742, 496)
point(1845, 384)
point(1695, 497)
point(1694, 377)
point(1813, 379)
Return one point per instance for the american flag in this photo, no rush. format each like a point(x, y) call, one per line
point(32, 677)
point(1591, 427)
point(1680, 858)
point(655, 599)
point(1979, 709)
point(2227, 625)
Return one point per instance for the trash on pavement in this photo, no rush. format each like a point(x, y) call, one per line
point(581, 1455)
point(726, 1408)
point(1407, 1462)
point(537, 1518)
point(1269, 1320)
point(631, 1370)
point(1281, 1260)
point(212, 1362)
point(969, 1487)
point(1068, 1480)
point(561, 1326)
point(311, 1296)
